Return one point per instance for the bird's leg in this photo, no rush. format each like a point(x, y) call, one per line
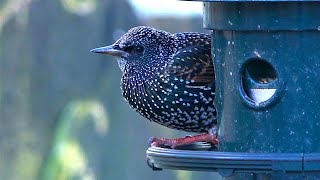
point(210, 137)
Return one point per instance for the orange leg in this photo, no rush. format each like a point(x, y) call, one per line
point(206, 137)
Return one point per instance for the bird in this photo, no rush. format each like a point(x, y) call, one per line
point(169, 79)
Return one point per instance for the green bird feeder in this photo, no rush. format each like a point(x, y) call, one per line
point(267, 61)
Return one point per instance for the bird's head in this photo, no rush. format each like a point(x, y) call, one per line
point(141, 48)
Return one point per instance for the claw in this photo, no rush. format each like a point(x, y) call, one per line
point(150, 141)
point(173, 143)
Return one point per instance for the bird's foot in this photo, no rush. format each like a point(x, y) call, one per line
point(173, 143)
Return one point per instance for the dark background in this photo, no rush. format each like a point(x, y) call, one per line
point(61, 111)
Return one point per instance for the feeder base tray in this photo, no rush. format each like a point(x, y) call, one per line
point(203, 157)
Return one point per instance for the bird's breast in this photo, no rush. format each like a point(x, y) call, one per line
point(170, 102)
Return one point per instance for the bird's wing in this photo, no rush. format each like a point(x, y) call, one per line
point(184, 91)
point(192, 64)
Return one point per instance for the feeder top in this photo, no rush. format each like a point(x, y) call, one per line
point(261, 15)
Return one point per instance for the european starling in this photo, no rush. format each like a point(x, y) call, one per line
point(168, 79)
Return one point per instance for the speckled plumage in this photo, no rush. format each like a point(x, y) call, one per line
point(169, 78)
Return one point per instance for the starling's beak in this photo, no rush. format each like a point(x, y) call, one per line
point(111, 50)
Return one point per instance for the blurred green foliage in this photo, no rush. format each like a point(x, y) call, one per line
point(80, 7)
point(67, 159)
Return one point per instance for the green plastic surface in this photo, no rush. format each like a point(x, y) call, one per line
point(267, 62)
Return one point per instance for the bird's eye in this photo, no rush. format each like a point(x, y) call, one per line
point(134, 49)
point(139, 49)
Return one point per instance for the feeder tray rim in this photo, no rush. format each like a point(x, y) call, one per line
point(233, 162)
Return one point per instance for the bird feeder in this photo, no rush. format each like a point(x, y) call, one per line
point(267, 63)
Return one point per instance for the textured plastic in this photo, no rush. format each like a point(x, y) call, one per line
point(228, 163)
point(262, 16)
point(285, 36)
point(289, 120)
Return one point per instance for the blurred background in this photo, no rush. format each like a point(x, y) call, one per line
point(61, 111)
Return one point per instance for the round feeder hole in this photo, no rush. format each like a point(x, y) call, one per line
point(257, 79)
